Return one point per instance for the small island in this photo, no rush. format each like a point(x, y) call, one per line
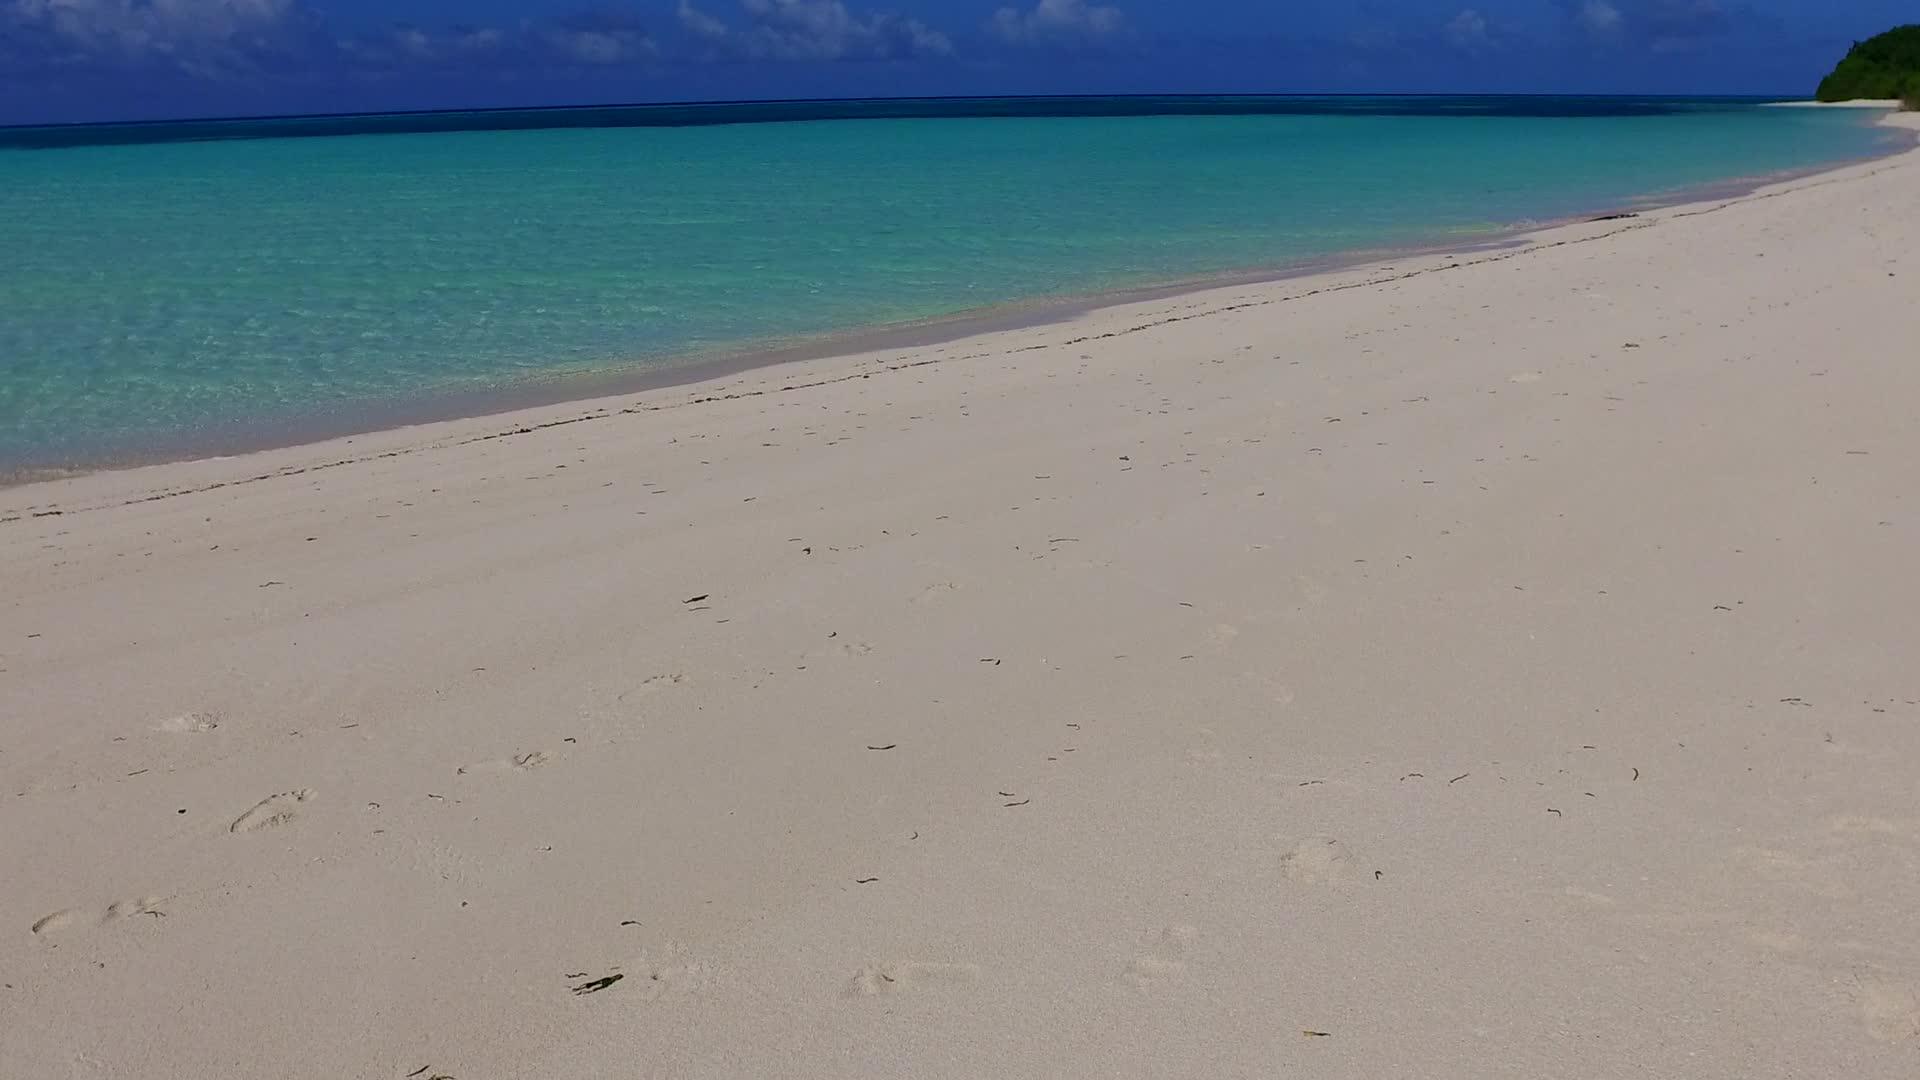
point(1881, 67)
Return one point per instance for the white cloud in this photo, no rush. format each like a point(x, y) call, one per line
point(1598, 16)
point(1057, 22)
point(220, 39)
point(586, 40)
point(599, 47)
point(189, 32)
point(815, 30)
point(1468, 31)
point(479, 40)
point(413, 41)
point(1665, 26)
point(596, 39)
point(701, 24)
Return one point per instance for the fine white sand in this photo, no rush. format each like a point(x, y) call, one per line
point(1856, 103)
point(1495, 665)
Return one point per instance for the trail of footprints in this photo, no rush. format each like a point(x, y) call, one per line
point(1164, 955)
point(74, 918)
point(272, 812)
point(1889, 1009)
point(277, 810)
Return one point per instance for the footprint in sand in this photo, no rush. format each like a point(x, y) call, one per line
point(1588, 896)
point(1312, 590)
point(1891, 1011)
point(1785, 867)
point(653, 686)
point(271, 812)
point(127, 909)
point(1771, 862)
point(1272, 689)
point(56, 922)
point(1164, 958)
point(1317, 860)
point(1779, 941)
point(72, 918)
point(838, 650)
point(674, 972)
point(875, 979)
point(1865, 825)
point(516, 763)
point(193, 723)
point(933, 592)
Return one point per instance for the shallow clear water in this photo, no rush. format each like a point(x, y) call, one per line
point(158, 295)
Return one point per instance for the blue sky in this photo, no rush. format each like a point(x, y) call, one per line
point(69, 60)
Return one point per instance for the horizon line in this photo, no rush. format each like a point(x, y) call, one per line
point(741, 102)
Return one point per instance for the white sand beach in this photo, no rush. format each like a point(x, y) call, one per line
point(1483, 665)
point(1856, 103)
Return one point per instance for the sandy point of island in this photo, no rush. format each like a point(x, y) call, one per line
point(1489, 664)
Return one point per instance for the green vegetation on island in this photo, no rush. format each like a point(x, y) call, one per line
point(1886, 66)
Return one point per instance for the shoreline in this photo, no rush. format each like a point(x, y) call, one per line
point(1890, 104)
point(239, 439)
point(532, 401)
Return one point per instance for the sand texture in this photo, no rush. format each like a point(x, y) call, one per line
point(1492, 665)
